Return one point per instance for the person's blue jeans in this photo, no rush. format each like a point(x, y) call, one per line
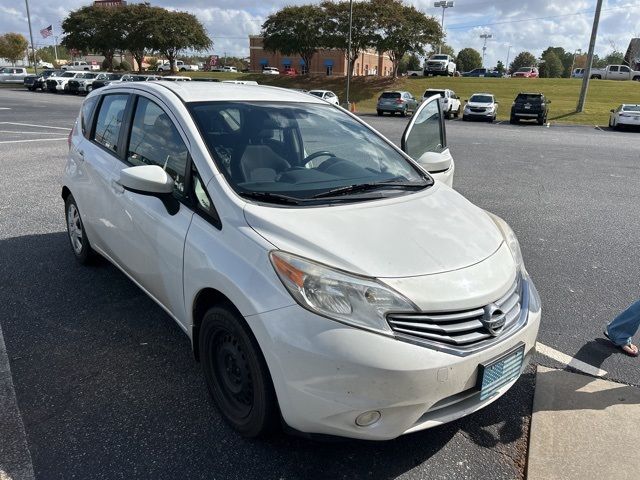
point(625, 325)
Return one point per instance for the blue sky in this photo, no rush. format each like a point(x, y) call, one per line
point(524, 24)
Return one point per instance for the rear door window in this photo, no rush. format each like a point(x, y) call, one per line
point(86, 113)
point(109, 121)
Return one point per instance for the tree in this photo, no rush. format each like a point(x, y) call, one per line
point(296, 30)
point(550, 65)
point(403, 29)
point(523, 59)
point(500, 67)
point(95, 29)
point(413, 62)
point(48, 54)
point(336, 29)
point(173, 32)
point(445, 50)
point(566, 60)
point(139, 20)
point(13, 47)
point(468, 59)
point(614, 58)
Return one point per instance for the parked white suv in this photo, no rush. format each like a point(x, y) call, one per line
point(440, 65)
point(80, 65)
point(324, 278)
point(270, 71)
point(451, 105)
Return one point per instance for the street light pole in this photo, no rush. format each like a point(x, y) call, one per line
point(484, 47)
point(444, 4)
point(33, 52)
point(349, 52)
point(587, 70)
point(507, 65)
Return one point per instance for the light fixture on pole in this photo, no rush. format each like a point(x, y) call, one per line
point(484, 47)
point(349, 53)
point(444, 4)
point(573, 62)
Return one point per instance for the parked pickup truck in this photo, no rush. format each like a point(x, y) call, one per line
point(615, 72)
point(164, 66)
point(80, 65)
point(482, 72)
point(440, 65)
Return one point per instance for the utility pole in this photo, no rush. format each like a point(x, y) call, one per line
point(444, 4)
point(507, 65)
point(484, 47)
point(33, 52)
point(349, 53)
point(587, 70)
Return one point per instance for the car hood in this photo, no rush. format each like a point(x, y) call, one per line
point(479, 105)
point(432, 231)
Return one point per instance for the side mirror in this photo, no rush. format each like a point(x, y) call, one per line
point(612, 111)
point(466, 100)
point(150, 180)
point(434, 162)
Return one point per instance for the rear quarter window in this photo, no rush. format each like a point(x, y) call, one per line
point(86, 113)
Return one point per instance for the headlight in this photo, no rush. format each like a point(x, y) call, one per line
point(511, 240)
point(358, 301)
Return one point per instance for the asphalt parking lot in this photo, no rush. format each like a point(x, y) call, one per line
point(104, 380)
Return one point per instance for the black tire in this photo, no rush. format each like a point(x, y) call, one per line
point(236, 373)
point(464, 118)
point(403, 113)
point(457, 113)
point(514, 121)
point(379, 112)
point(80, 245)
point(447, 114)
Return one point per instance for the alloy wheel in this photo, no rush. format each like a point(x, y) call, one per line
point(76, 232)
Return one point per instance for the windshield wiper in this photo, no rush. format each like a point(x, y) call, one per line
point(271, 197)
point(363, 187)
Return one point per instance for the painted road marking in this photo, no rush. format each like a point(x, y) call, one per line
point(5, 108)
point(569, 361)
point(33, 140)
point(15, 449)
point(32, 125)
point(33, 133)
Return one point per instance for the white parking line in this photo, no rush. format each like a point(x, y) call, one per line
point(31, 133)
point(5, 108)
point(569, 361)
point(33, 140)
point(32, 125)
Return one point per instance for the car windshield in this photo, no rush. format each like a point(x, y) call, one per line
point(390, 95)
point(113, 76)
point(89, 75)
point(316, 93)
point(524, 69)
point(6, 70)
point(481, 99)
point(440, 57)
point(631, 108)
point(295, 152)
point(69, 74)
point(431, 93)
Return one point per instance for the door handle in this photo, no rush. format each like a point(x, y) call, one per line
point(117, 186)
point(81, 154)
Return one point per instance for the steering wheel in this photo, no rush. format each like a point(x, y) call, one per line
point(321, 153)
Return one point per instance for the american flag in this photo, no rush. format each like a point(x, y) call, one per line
point(47, 32)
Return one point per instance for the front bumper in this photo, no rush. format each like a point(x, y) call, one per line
point(486, 114)
point(326, 374)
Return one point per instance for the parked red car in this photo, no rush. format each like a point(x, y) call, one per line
point(527, 72)
point(290, 72)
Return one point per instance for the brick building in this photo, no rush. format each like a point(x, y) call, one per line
point(325, 62)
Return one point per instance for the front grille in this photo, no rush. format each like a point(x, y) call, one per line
point(465, 331)
point(477, 109)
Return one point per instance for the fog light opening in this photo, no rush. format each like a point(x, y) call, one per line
point(367, 419)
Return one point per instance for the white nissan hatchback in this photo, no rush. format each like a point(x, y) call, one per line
point(325, 278)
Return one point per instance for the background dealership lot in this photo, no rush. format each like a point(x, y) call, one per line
point(105, 381)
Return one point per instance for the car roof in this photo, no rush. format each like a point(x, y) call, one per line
point(318, 90)
point(482, 93)
point(218, 91)
point(530, 93)
point(630, 105)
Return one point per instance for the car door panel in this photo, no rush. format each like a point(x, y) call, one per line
point(148, 241)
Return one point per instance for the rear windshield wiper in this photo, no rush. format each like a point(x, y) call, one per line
point(272, 197)
point(363, 187)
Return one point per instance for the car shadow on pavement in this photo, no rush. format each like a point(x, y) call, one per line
point(108, 388)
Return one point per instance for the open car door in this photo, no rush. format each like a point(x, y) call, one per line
point(425, 140)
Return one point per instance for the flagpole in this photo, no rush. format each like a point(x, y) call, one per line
point(33, 52)
point(55, 45)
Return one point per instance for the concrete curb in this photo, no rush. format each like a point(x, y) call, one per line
point(583, 427)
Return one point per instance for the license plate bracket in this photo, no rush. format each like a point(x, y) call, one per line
point(496, 373)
